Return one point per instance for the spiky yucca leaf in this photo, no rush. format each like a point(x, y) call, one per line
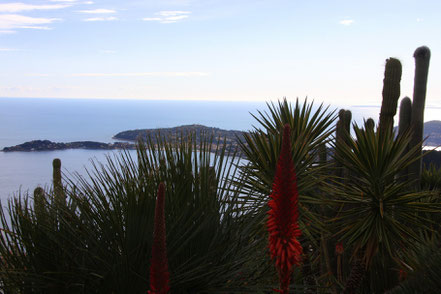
point(311, 128)
point(380, 216)
point(210, 238)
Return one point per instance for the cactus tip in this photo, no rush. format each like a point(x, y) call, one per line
point(56, 163)
point(422, 52)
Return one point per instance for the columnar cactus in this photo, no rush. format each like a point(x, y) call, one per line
point(369, 124)
point(342, 133)
point(405, 115)
point(403, 126)
point(391, 93)
point(58, 185)
point(422, 59)
point(39, 204)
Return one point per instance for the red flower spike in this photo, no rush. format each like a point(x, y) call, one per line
point(282, 223)
point(159, 275)
point(339, 248)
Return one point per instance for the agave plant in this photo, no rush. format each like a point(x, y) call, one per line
point(380, 217)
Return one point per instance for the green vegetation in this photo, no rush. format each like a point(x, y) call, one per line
point(367, 224)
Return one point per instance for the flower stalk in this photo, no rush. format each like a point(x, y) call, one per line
point(159, 275)
point(282, 222)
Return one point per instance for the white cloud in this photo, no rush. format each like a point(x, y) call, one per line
point(178, 17)
point(109, 18)
point(419, 19)
point(152, 18)
point(347, 22)
point(7, 49)
point(168, 16)
point(10, 22)
point(144, 74)
point(19, 7)
point(98, 11)
point(172, 12)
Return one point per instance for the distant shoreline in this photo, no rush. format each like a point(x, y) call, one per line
point(432, 130)
point(231, 138)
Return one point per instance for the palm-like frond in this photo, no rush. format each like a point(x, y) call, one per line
point(311, 128)
point(210, 242)
point(380, 213)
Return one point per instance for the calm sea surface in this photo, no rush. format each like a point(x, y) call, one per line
point(67, 120)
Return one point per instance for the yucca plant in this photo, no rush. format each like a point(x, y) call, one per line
point(311, 128)
point(379, 216)
point(210, 243)
point(209, 238)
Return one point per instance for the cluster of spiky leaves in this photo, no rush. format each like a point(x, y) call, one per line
point(283, 216)
point(100, 239)
point(107, 234)
point(380, 216)
point(311, 127)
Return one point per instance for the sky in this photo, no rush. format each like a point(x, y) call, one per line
point(329, 51)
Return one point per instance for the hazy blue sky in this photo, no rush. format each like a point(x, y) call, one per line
point(330, 51)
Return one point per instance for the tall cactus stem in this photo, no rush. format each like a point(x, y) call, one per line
point(405, 115)
point(39, 204)
point(342, 134)
point(369, 124)
point(58, 185)
point(391, 94)
point(403, 126)
point(422, 60)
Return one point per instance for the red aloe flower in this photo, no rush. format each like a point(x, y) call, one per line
point(159, 275)
point(339, 248)
point(282, 223)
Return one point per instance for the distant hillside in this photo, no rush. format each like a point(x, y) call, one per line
point(432, 129)
point(231, 137)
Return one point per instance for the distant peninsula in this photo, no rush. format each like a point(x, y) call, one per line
point(432, 130)
point(198, 131)
point(46, 145)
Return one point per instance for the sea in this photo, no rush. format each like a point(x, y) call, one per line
point(67, 120)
